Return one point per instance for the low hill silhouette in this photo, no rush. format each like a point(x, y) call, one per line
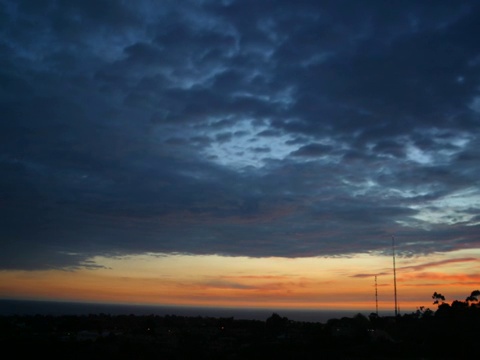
point(450, 332)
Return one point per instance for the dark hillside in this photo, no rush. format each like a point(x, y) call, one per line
point(450, 332)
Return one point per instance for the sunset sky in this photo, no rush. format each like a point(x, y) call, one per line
point(240, 153)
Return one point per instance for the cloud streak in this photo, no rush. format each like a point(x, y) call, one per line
point(421, 267)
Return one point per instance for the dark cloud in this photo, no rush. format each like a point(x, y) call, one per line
point(312, 150)
point(271, 128)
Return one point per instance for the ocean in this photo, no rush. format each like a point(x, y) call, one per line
point(28, 307)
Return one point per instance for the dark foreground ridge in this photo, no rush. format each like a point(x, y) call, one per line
point(451, 332)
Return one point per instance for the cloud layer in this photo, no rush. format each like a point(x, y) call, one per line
point(272, 128)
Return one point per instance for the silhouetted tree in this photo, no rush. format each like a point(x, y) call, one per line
point(437, 297)
point(276, 324)
point(423, 312)
point(473, 296)
point(457, 304)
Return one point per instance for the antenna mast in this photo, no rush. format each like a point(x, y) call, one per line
point(376, 295)
point(394, 276)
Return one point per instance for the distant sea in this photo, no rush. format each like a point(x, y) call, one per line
point(55, 308)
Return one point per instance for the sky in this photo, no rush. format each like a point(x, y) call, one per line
point(240, 153)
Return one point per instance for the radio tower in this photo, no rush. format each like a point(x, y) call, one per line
point(394, 277)
point(376, 295)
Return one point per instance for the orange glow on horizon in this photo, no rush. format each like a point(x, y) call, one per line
point(215, 281)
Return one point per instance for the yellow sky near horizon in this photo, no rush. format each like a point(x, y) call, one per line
point(303, 283)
